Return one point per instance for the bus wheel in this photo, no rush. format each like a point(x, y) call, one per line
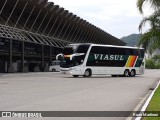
point(75, 75)
point(132, 73)
point(53, 70)
point(126, 73)
point(87, 73)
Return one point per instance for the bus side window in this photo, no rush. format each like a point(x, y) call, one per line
point(136, 52)
point(113, 51)
point(100, 50)
point(82, 49)
point(131, 52)
point(118, 51)
point(94, 50)
point(53, 63)
point(79, 59)
point(142, 52)
point(57, 63)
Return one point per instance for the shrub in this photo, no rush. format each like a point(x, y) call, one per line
point(153, 63)
point(150, 64)
point(157, 66)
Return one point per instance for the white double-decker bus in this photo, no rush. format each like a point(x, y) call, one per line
point(95, 59)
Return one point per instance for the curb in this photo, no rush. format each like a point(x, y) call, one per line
point(148, 100)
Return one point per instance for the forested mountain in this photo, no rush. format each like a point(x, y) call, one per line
point(131, 40)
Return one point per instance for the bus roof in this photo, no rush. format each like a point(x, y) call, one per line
point(107, 45)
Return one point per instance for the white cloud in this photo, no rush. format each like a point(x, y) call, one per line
point(117, 17)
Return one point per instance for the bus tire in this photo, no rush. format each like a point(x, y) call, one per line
point(132, 73)
point(126, 73)
point(53, 70)
point(87, 73)
point(114, 75)
point(75, 75)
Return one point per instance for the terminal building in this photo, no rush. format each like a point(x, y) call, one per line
point(33, 32)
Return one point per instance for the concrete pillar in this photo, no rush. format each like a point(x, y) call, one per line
point(10, 66)
point(36, 69)
point(46, 68)
point(10, 69)
point(23, 67)
point(42, 58)
point(50, 55)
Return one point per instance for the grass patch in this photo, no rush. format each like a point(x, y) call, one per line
point(154, 105)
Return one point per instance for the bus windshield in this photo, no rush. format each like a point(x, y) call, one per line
point(77, 52)
point(69, 50)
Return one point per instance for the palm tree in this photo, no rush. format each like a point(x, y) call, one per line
point(153, 20)
point(151, 39)
point(155, 4)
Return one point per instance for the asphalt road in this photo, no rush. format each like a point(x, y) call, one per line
point(57, 92)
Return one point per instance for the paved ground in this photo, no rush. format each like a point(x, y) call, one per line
point(57, 92)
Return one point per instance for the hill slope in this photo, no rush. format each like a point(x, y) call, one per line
point(131, 40)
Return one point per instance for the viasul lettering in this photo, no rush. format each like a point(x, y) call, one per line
point(108, 57)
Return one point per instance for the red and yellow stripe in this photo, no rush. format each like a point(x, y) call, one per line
point(131, 61)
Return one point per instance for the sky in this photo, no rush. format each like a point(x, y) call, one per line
point(117, 17)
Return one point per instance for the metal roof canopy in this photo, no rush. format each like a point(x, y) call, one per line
point(41, 17)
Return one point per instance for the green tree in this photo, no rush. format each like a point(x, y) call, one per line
point(153, 63)
point(151, 39)
point(156, 58)
point(155, 4)
point(150, 64)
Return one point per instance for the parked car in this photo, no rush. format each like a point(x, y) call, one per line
point(55, 66)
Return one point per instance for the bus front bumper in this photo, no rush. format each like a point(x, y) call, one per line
point(71, 71)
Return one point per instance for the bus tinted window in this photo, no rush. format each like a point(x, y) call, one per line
point(135, 52)
point(117, 51)
point(142, 53)
point(75, 49)
point(68, 50)
point(82, 49)
point(112, 56)
point(109, 50)
point(109, 63)
point(100, 50)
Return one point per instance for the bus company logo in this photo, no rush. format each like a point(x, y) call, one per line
point(108, 57)
point(6, 114)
